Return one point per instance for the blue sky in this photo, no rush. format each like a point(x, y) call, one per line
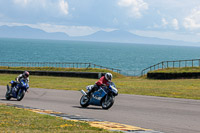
point(171, 19)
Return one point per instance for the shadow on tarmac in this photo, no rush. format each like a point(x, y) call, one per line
point(92, 108)
point(8, 100)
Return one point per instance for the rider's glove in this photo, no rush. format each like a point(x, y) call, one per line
point(103, 85)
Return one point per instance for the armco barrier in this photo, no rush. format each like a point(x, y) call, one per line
point(191, 75)
point(57, 73)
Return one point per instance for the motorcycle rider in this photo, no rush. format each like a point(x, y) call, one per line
point(23, 76)
point(102, 82)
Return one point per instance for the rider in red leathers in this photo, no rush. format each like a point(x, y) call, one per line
point(102, 82)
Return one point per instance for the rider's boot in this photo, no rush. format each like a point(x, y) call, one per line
point(8, 89)
point(89, 93)
point(93, 89)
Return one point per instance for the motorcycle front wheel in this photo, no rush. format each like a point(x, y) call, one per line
point(107, 102)
point(84, 101)
point(20, 95)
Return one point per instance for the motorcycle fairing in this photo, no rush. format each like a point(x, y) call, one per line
point(97, 97)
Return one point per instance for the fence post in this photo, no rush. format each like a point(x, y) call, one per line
point(89, 65)
point(199, 63)
point(192, 63)
point(167, 64)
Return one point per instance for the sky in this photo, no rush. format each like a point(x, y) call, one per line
point(169, 19)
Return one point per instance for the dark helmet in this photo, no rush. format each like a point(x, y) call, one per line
point(26, 74)
point(108, 76)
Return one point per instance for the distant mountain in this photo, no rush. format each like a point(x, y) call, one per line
point(28, 32)
point(100, 36)
point(113, 36)
point(127, 37)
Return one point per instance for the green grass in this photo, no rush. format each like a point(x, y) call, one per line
point(179, 88)
point(19, 120)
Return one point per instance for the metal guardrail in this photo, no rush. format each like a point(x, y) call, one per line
point(56, 64)
point(94, 75)
point(172, 64)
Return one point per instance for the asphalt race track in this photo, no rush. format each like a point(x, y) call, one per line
point(168, 115)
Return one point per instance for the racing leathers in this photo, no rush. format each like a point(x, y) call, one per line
point(19, 79)
point(101, 82)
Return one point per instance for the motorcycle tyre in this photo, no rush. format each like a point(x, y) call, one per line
point(110, 105)
point(8, 97)
point(85, 104)
point(19, 98)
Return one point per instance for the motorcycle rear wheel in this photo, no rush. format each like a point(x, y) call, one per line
point(84, 101)
point(106, 104)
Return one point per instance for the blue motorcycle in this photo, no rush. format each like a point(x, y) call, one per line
point(17, 90)
point(104, 96)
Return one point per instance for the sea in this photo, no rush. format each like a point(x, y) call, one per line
point(130, 58)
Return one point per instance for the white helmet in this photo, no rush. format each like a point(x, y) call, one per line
point(108, 76)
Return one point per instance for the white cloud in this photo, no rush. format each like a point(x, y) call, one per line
point(64, 6)
point(51, 6)
point(164, 22)
point(175, 24)
point(167, 24)
point(70, 30)
point(135, 6)
point(22, 2)
point(192, 21)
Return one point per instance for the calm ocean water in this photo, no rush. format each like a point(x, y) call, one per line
point(131, 58)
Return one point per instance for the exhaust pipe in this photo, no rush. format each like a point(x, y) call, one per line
point(83, 92)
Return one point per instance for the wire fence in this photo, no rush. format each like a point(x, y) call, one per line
point(134, 73)
point(57, 65)
point(172, 64)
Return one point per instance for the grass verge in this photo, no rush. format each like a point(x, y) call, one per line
point(178, 88)
point(13, 119)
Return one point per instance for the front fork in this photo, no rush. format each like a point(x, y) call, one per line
point(83, 92)
point(108, 98)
